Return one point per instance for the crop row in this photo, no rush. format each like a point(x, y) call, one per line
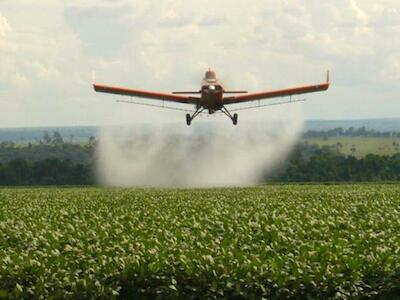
point(273, 242)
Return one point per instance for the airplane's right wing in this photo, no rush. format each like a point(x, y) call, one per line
point(145, 94)
point(279, 93)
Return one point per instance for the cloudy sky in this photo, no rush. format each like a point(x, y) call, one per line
point(49, 48)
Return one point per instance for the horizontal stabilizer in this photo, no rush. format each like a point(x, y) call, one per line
point(235, 92)
point(185, 93)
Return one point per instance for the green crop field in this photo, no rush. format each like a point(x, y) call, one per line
point(294, 241)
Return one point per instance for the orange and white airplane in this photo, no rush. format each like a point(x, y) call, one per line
point(212, 96)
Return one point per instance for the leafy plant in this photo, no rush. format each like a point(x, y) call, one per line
point(292, 241)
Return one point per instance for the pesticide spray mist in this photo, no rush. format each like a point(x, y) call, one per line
point(212, 152)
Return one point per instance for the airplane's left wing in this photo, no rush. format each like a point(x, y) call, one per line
point(145, 94)
point(278, 93)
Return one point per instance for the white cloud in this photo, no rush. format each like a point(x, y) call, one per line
point(48, 50)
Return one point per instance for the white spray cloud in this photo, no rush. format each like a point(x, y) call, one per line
point(211, 153)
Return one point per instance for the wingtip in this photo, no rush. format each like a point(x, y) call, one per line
point(93, 77)
point(328, 79)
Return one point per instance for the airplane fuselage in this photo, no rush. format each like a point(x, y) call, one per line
point(212, 93)
point(211, 97)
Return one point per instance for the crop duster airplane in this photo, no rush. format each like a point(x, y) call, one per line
point(212, 96)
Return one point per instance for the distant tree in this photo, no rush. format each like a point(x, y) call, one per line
point(46, 137)
point(2, 174)
point(57, 138)
point(17, 172)
point(362, 131)
point(350, 131)
point(92, 140)
point(339, 131)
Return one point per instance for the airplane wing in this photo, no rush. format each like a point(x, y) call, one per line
point(278, 93)
point(145, 94)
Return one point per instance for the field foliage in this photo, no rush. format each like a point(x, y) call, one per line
point(273, 242)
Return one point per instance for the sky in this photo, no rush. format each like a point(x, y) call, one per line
point(48, 50)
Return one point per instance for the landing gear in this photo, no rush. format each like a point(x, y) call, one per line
point(190, 118)
point(234, 118)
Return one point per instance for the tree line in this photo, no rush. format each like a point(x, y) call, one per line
point(349, 132)
point(308, 163)
point(51, 161)
point(312, 163)
point(56, 162)
point(49, 171)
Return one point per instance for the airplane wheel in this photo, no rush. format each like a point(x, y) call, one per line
point(188, 120)
point(235, 119)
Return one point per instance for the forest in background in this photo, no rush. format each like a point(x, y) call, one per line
point(54, 160)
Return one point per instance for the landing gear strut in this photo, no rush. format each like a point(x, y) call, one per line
point(234, 118)
point(190, 118)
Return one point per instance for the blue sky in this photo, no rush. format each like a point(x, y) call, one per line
point(49, 48)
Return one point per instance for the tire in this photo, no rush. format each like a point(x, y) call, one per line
point(235, 119)
point(188, 120)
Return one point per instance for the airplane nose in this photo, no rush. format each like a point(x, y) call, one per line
point(212, 87)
